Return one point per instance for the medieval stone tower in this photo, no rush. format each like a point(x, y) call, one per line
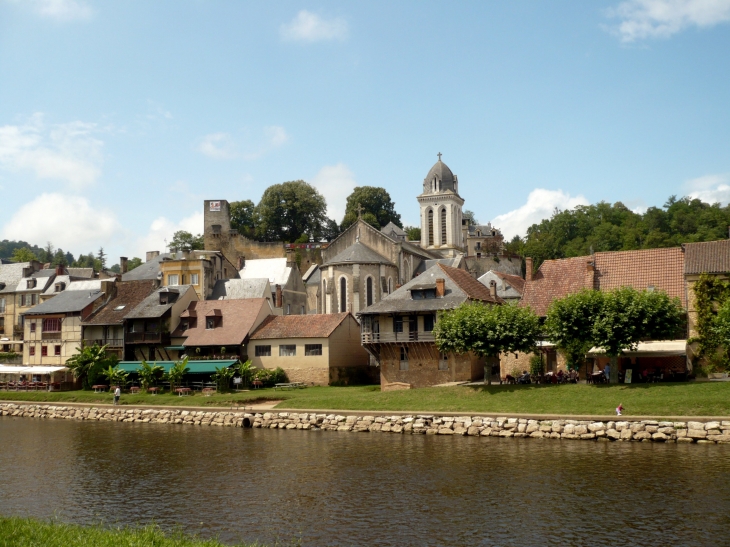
point(441, 211)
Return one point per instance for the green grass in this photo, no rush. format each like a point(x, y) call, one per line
point(25, 532)
point(681, 399)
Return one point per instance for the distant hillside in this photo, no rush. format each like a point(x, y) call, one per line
point(8, 247)
point(606, 227)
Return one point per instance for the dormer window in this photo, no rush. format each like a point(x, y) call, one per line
point(423, 294)
point(31, 283)
point(60, 287)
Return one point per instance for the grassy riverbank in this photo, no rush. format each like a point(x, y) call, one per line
point(681, 399)
point(25, 532)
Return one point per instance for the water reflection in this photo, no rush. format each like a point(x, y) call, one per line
point(368, 489)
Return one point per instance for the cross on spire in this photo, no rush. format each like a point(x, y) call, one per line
point(439, 155)
point(359, 211)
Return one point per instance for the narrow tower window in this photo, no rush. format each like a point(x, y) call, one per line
point(343, 294)
point(443, 226)
point(369, 291)
point(430, 227)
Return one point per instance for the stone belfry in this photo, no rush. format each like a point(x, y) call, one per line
point(441, 211)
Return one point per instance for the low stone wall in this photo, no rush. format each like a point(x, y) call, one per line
point(432, 424)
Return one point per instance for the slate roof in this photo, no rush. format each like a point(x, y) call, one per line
point(554, 279)
point(236, 289)
point(10, 276)
point(128, 294)
point(426, 264)
point(307, 277)
point(66, 302)
point(358, 253)
point(416, 250)
point(238, 318)
point(43, 279)
point(459, 287)
point(299, 326)
point(392, 228)
point(150, 307)
point(147, 270)
point(273, 269)
point(708, 257)
point(87, 273)
point(442, 172)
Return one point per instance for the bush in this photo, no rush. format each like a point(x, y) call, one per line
point(536, 366)
point(270, 377)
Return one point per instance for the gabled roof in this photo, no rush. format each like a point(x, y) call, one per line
point(236, 289)
point(238, 319)
point(148, 270)
point(473, 289)
point(150, 307)
point(453, 262)
point(129, 294)
point(10, 276)
point(708, 257)
point(66, 302)
point(358, 253)
point(87, 273)
point(391, 229)
point(555, 279)
point(514, 281)
point(273, 269)
point(299, 326)
point(43, 280)
point(310, 272)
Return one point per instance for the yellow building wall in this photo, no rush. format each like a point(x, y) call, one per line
point(69, 340)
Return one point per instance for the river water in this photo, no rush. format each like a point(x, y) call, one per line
point(339, 488)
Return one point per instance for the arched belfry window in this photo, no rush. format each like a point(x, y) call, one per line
point(443, 226)
point(430, 227)
point(343, 294)
point(369, 291)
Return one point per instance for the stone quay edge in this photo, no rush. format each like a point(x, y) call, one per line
point(644, 430)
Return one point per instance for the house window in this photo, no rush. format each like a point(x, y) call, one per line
point(44, 351)
point(51, 325)
point(397, 324)
point(403, 358)
point(182, 279)
point(390, 285)
point(302, 310)
point(287, 350)
point(428, 322)
point(173, 279)
point(194, 279)
point(444, 361)
point(56, 350)
point(312, 349)
point(288, 309)
point(2, 305)
point(210, 323)
point(33, 299)
point(343, 294)
point(31, 350)
point(479, 246)
point(30, 284)
point(479, 255)
point(262, 351)
point(369, 291)
point(32, 327)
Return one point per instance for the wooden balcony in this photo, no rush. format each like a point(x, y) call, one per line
point(111, 343)
point(395, 337)
point(56, 335)
point(145, 337)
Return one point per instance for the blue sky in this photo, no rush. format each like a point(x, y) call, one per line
point(117, 119)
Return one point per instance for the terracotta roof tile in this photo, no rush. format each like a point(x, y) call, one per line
point(129, 295)
point(515, 281)
point(238, 319)
point(473, 288)
point(554, 279)
point(299, 326)
point(708, 257)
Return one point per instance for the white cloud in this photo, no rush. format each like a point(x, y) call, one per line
point(540, 205)
point(274, 136)
point(710, 188)
point(61, 10)
point(161, 231)
point(641, 19)
point(310, 27)
point(218, 146)
point(67, 152)
point(335, 183)
point(69, 222)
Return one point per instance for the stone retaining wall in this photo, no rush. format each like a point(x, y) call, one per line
point(432, 424)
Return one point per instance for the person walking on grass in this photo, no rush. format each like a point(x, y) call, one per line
point(619, 409)
point(117, 394)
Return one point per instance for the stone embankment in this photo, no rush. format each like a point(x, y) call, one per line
point(476, 426)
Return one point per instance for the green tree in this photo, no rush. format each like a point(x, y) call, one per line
point(377, 207)
point(628, 316)
point(24, 254)
point(290, 209)
point(149, 374)
point(246, 371)
point(176, 373)
point(222, 377)
point(185, 241)
point(88, 362)
point(413, 233)
point(470, 216)
point(101, 257)
point(487, 331)
point(59, 259)
point(48, 252)
point(243, 217)
point(115, 376)
point(133, 263)
point(568, 322)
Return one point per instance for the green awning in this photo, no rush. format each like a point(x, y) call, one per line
point(195, 367)
point(176, 348)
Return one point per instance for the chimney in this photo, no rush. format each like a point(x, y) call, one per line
point(528, 268)
point(290, 262)
point(279, 303)
point(590, 274)
point(493, 288)
point(241, 262)
point(107, 287)
point(151, 255)
point(123, 264)
point(59, 269)
point(440, 287)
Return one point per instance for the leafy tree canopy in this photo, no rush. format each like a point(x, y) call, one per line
point(23, 254)
point(185, 241)
point(377, 207)
point(289, 210)
point(7, 248)
point(413, 233)
point(243, 217)
point(467, 214)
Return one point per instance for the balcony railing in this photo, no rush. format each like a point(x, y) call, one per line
point(109, 342)
point(55, 335)
point(389, 337)
point(141, 337)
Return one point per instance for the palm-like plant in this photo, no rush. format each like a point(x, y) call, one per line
point(115, 376)
point(176, 373)
point(245, 371)
point(149, 374)
point(88, 360)
point(222, 377)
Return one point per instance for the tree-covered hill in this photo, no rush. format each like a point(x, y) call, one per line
point(606, 227)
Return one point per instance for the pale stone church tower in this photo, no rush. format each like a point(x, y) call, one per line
point(441, 211)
